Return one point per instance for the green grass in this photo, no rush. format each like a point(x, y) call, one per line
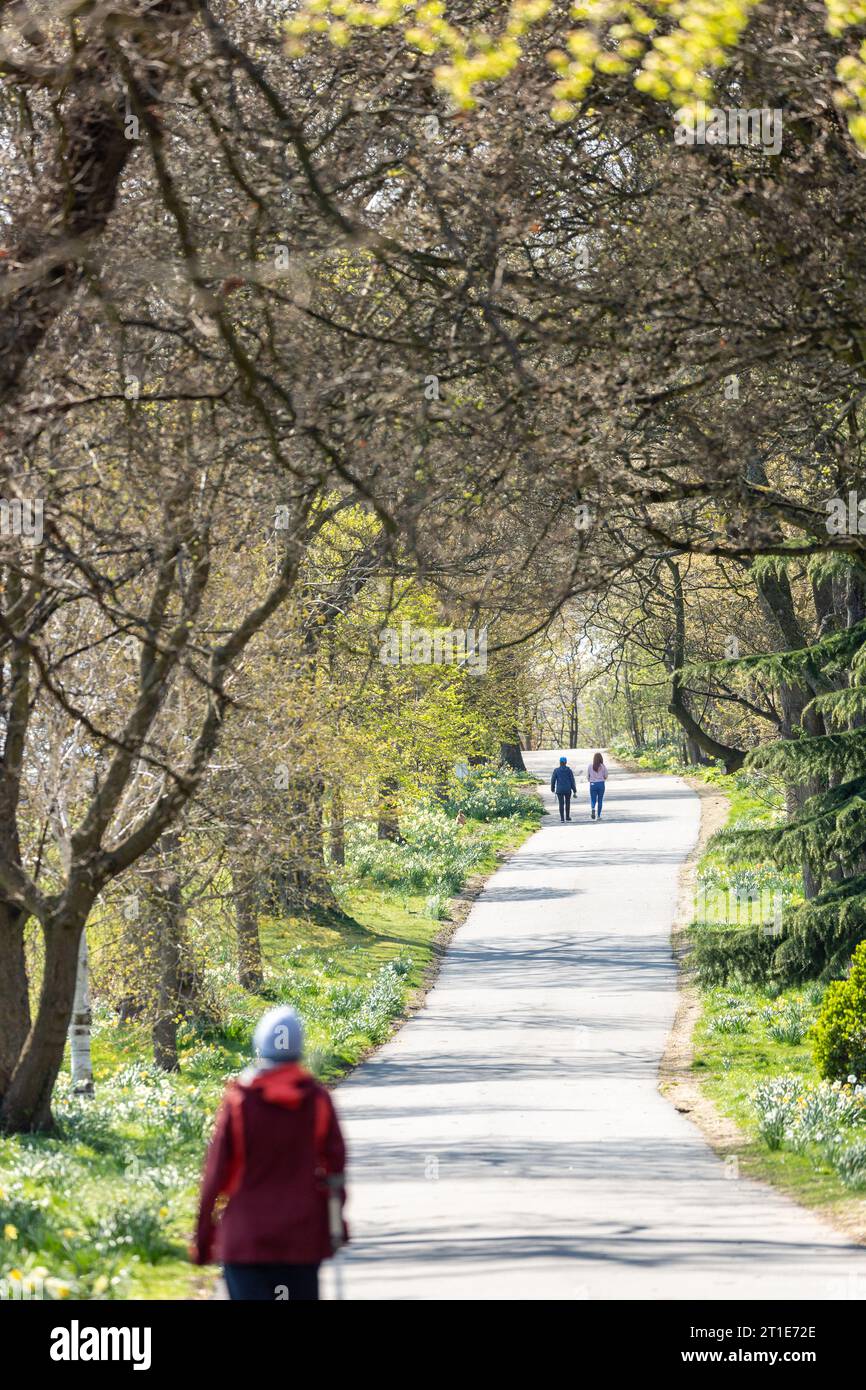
point(731, 1065)
point(104, 1208)
point(735, 1050)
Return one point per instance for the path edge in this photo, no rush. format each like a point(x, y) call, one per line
point(676, 1081)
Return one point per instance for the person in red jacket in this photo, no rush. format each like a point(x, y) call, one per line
point(275, 1162)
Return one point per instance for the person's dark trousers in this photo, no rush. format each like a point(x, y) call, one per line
point(274, 1283)
point(564, 799)
point(596, 795)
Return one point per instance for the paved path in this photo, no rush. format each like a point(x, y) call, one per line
point(510, 1142)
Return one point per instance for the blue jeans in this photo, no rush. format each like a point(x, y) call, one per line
point(272, 1283)
point(596, 795)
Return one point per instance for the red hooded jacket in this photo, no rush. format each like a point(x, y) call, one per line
point(276, 1140)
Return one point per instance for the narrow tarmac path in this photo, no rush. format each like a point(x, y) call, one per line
point(510, 1141)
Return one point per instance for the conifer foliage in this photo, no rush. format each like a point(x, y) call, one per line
point(826, 833)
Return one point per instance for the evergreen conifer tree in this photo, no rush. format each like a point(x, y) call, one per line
point(827, 832)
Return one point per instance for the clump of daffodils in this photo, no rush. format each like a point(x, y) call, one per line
point(795, 1113)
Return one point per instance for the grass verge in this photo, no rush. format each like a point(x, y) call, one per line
point(740, 1060)
point(103, 1208)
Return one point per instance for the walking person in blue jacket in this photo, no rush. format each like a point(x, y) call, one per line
point(562, 782)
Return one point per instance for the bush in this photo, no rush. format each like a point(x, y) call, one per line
point(732, 953)
point(839, 1036)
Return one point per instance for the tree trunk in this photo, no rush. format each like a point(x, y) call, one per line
point(693, 752)
point(27, 1103)
point(250, 972)
point(301, 881)
point(777, 602)
point(136, 952)
point(309, 878)
point(388, 824)
point(632, 716)
point(168, 954)
point(572, 724)
point(774, 592)
point(338, 827)
point(732, 758)
point(855, 598)
point(511, 755)
point(81, 1064)
point(77, 193)
point(14, 994)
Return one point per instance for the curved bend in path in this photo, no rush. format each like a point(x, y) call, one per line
point(510, 1142)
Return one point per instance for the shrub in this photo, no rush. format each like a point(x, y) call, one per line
point(139, 1095)
point(839, 1035)
point(734, 953)
point(750, 880)
point(344, 1000)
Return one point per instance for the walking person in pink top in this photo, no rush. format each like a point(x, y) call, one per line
point(597, 776)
